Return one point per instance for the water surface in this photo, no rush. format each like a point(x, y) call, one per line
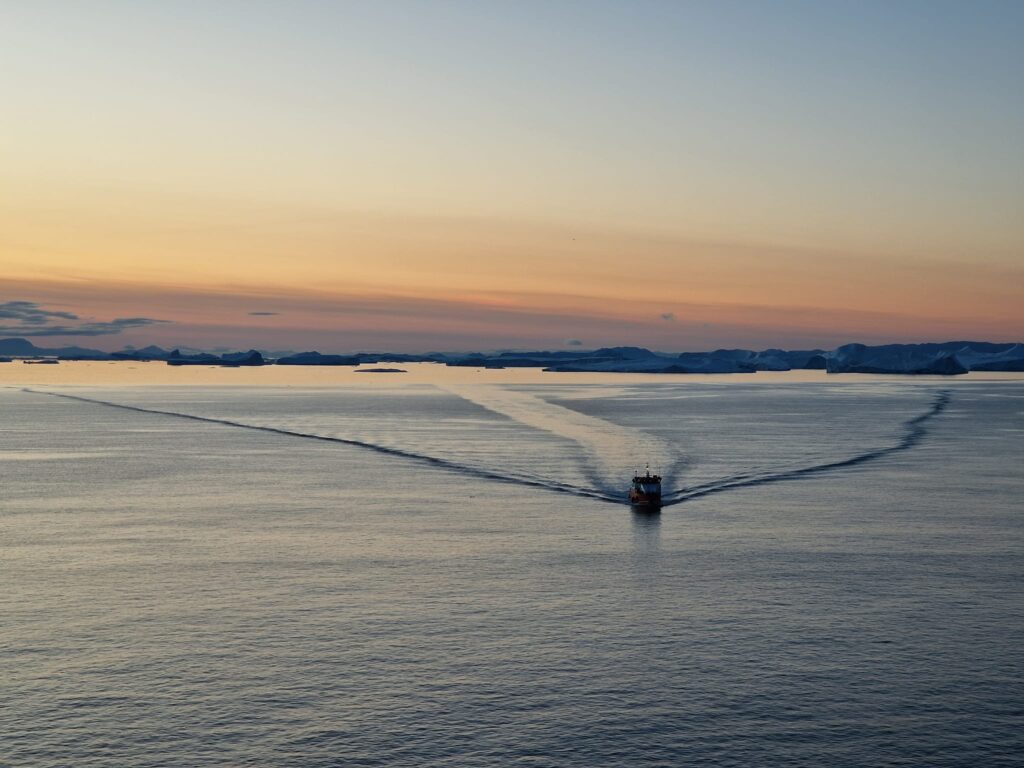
point(438, 570)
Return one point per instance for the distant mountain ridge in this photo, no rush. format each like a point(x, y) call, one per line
point(946, 358)
point(25, 348)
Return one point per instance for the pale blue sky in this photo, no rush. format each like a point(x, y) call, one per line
point(888, 131)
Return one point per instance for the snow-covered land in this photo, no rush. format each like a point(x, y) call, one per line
point(639, 360)
point(949, 358)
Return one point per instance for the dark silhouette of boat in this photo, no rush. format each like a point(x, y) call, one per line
point(646, 490)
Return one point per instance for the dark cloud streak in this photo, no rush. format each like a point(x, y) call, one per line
point(31, 313)
point(32, 320)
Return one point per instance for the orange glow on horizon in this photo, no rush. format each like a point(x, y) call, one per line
point(413, 179)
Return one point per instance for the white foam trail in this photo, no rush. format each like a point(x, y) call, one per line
point(506, 476)
point(612, 451)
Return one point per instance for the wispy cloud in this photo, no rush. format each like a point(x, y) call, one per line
point(30, 319)
point(347, 322)
point(264, 314)
point(668, 317)
point(30, 313)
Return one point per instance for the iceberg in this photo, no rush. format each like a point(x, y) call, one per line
point(944, 359)
point(918, 359)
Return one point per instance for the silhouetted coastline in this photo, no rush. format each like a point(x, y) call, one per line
point(942, 359)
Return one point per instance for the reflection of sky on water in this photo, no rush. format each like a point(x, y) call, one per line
point(646, 532)
point(297, 586)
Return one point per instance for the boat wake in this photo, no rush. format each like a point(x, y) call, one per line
point(595, 436)
point(610, 450)
point(915, 430)
point(484, 474)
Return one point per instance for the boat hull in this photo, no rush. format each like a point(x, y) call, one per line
point(646, 490)
point(638, 499)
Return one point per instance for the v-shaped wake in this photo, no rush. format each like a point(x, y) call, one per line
point(465, 469)
point(914, 430)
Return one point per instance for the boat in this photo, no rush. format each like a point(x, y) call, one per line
point(646, 490)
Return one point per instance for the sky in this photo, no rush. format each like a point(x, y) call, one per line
point(424, 176)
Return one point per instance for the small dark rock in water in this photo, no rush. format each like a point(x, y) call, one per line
point(381, 370)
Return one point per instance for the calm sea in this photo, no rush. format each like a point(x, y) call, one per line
point(321, 568)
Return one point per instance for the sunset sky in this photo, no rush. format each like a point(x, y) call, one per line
point(419, 176)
